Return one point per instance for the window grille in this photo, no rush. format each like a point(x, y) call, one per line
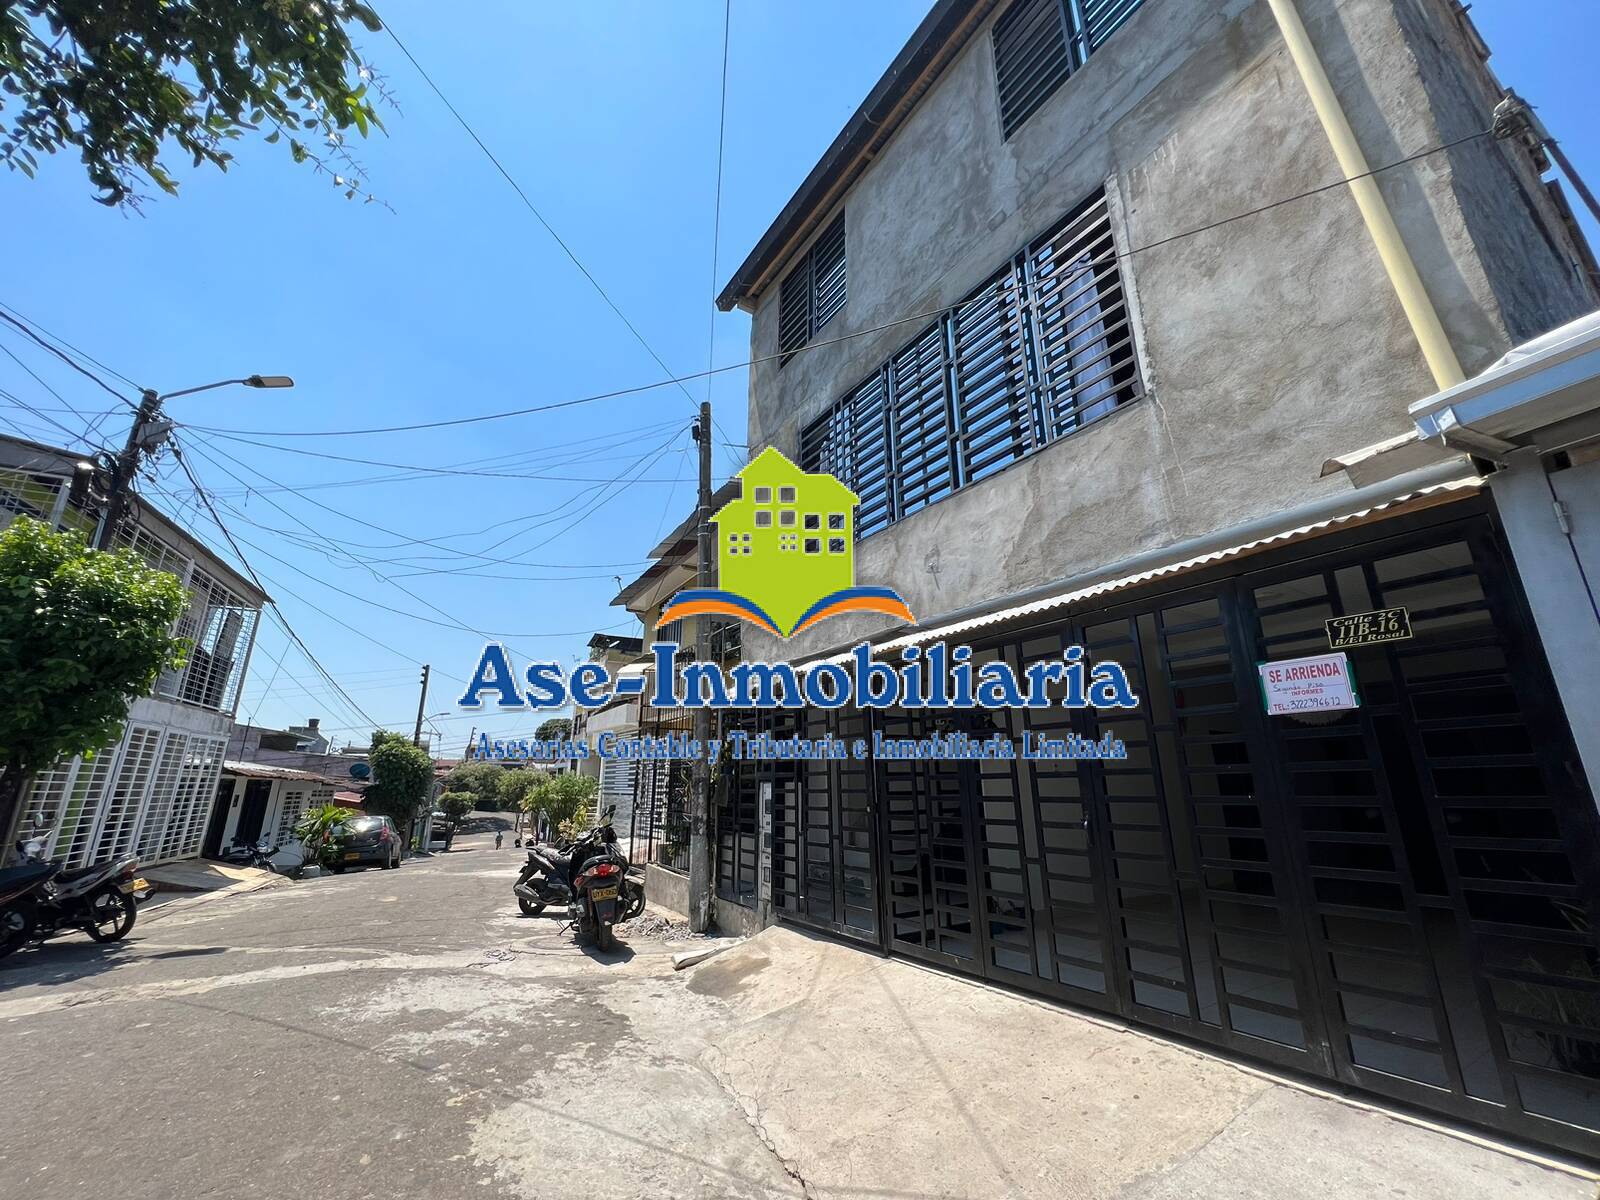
point(1038, 44)
point(290, 810)
point(812, 292)
point(219, 626)
point(1039, 350)
point(1031, 58)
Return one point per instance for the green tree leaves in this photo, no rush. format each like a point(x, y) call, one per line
point(120, 83)
point(82, 634)
point(402, 778)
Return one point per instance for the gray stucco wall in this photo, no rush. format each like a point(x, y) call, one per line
point(1266, 345)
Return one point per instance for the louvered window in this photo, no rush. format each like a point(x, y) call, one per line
point(813, 292)
point(1041, 349)
point(1039, 43)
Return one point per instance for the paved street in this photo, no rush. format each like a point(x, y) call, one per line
point(409, 1033)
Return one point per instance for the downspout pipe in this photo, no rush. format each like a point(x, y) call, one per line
point(1397, 261)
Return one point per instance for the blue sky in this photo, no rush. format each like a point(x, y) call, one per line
point(457, 302)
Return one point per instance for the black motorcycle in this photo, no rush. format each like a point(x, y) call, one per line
point(38, 899)
point(590, 878)
point(258, 855)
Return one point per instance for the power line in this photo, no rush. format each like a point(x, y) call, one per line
point(452, 552)
point(421, 469)
point(71, 362)
point(528, 204)
point(928, 315)
point(716, 210)
point(56, 337)
point(21, 403)
point(450, 623)
point(245, 563)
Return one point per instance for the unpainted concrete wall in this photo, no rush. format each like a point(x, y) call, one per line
point(1267, 345)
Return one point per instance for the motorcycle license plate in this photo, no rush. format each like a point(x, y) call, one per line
point(599, 894)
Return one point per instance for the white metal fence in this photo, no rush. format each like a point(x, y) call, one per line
point(150, 794)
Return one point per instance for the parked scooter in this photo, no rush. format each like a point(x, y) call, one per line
point(38, 899)
point(258, 855)
point(590, 878)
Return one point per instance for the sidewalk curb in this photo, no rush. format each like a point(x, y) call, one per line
point(184, 900)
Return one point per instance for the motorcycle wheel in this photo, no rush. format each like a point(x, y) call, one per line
point(529, 907)
point(16, 927)
point(604, 937)
point(112, 913)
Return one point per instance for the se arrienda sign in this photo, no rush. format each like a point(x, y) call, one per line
point(1319, 683)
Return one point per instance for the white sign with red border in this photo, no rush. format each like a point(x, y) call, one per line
point(1320, 683)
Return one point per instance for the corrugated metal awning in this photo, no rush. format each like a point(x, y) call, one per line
point(254, 770)
point(1068, 596)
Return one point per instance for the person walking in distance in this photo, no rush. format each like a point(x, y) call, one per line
point(499, 837)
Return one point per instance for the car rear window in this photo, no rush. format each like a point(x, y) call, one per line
point(365, 824)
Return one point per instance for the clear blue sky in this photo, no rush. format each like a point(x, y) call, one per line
point(457, 302)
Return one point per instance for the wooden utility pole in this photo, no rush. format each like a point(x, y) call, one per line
point(700, 793)
point(422, 703)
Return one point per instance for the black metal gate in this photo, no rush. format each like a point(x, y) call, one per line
point(1402, 897)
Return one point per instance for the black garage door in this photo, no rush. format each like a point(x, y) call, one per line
point(1401, 897)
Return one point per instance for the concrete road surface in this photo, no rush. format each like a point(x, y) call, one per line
point(409, 1033)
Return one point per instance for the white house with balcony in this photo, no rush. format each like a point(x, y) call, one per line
point(150, 792)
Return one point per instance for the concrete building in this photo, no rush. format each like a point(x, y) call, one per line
point(256, 803)
point(151, 791)
point(1081, 306)
point(617, 778)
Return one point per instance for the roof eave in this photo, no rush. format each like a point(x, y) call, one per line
point(946, 22)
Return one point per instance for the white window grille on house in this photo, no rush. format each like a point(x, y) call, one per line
point(218, 626)
point(125, 799)
point(158, 553)
point(163, 794)
point(196, 793)
point(290, 810)
point(149, 795)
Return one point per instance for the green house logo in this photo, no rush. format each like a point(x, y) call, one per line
point(786, 553)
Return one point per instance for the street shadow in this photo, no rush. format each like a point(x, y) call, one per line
point(611, 958)
point(55, 963)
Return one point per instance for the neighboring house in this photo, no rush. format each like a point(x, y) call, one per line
point(149, 792)
point(256, 802)
point(617, 777)
point(658, 831)
point(311, 738)
point(1026, 310)
point(291, 748)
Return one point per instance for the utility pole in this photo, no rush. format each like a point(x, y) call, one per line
point(149, 431)
point(422, 703)
point(700, 793)
point(125, 466)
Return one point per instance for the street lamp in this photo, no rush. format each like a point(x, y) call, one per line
point(149, 431)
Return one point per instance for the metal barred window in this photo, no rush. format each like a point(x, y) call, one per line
point(1081, 332)
point(991, 375)
point(1039, 350)
point(922, 425)
point(1039, 43)
point(813, 292)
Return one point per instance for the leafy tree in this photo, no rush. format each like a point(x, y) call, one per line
point(483, 779)
point(457, 805)
point(566, 799)
point(118, 82)
point(82, 634)
point(555, 727)
point(402, 778)
point(515, 787)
